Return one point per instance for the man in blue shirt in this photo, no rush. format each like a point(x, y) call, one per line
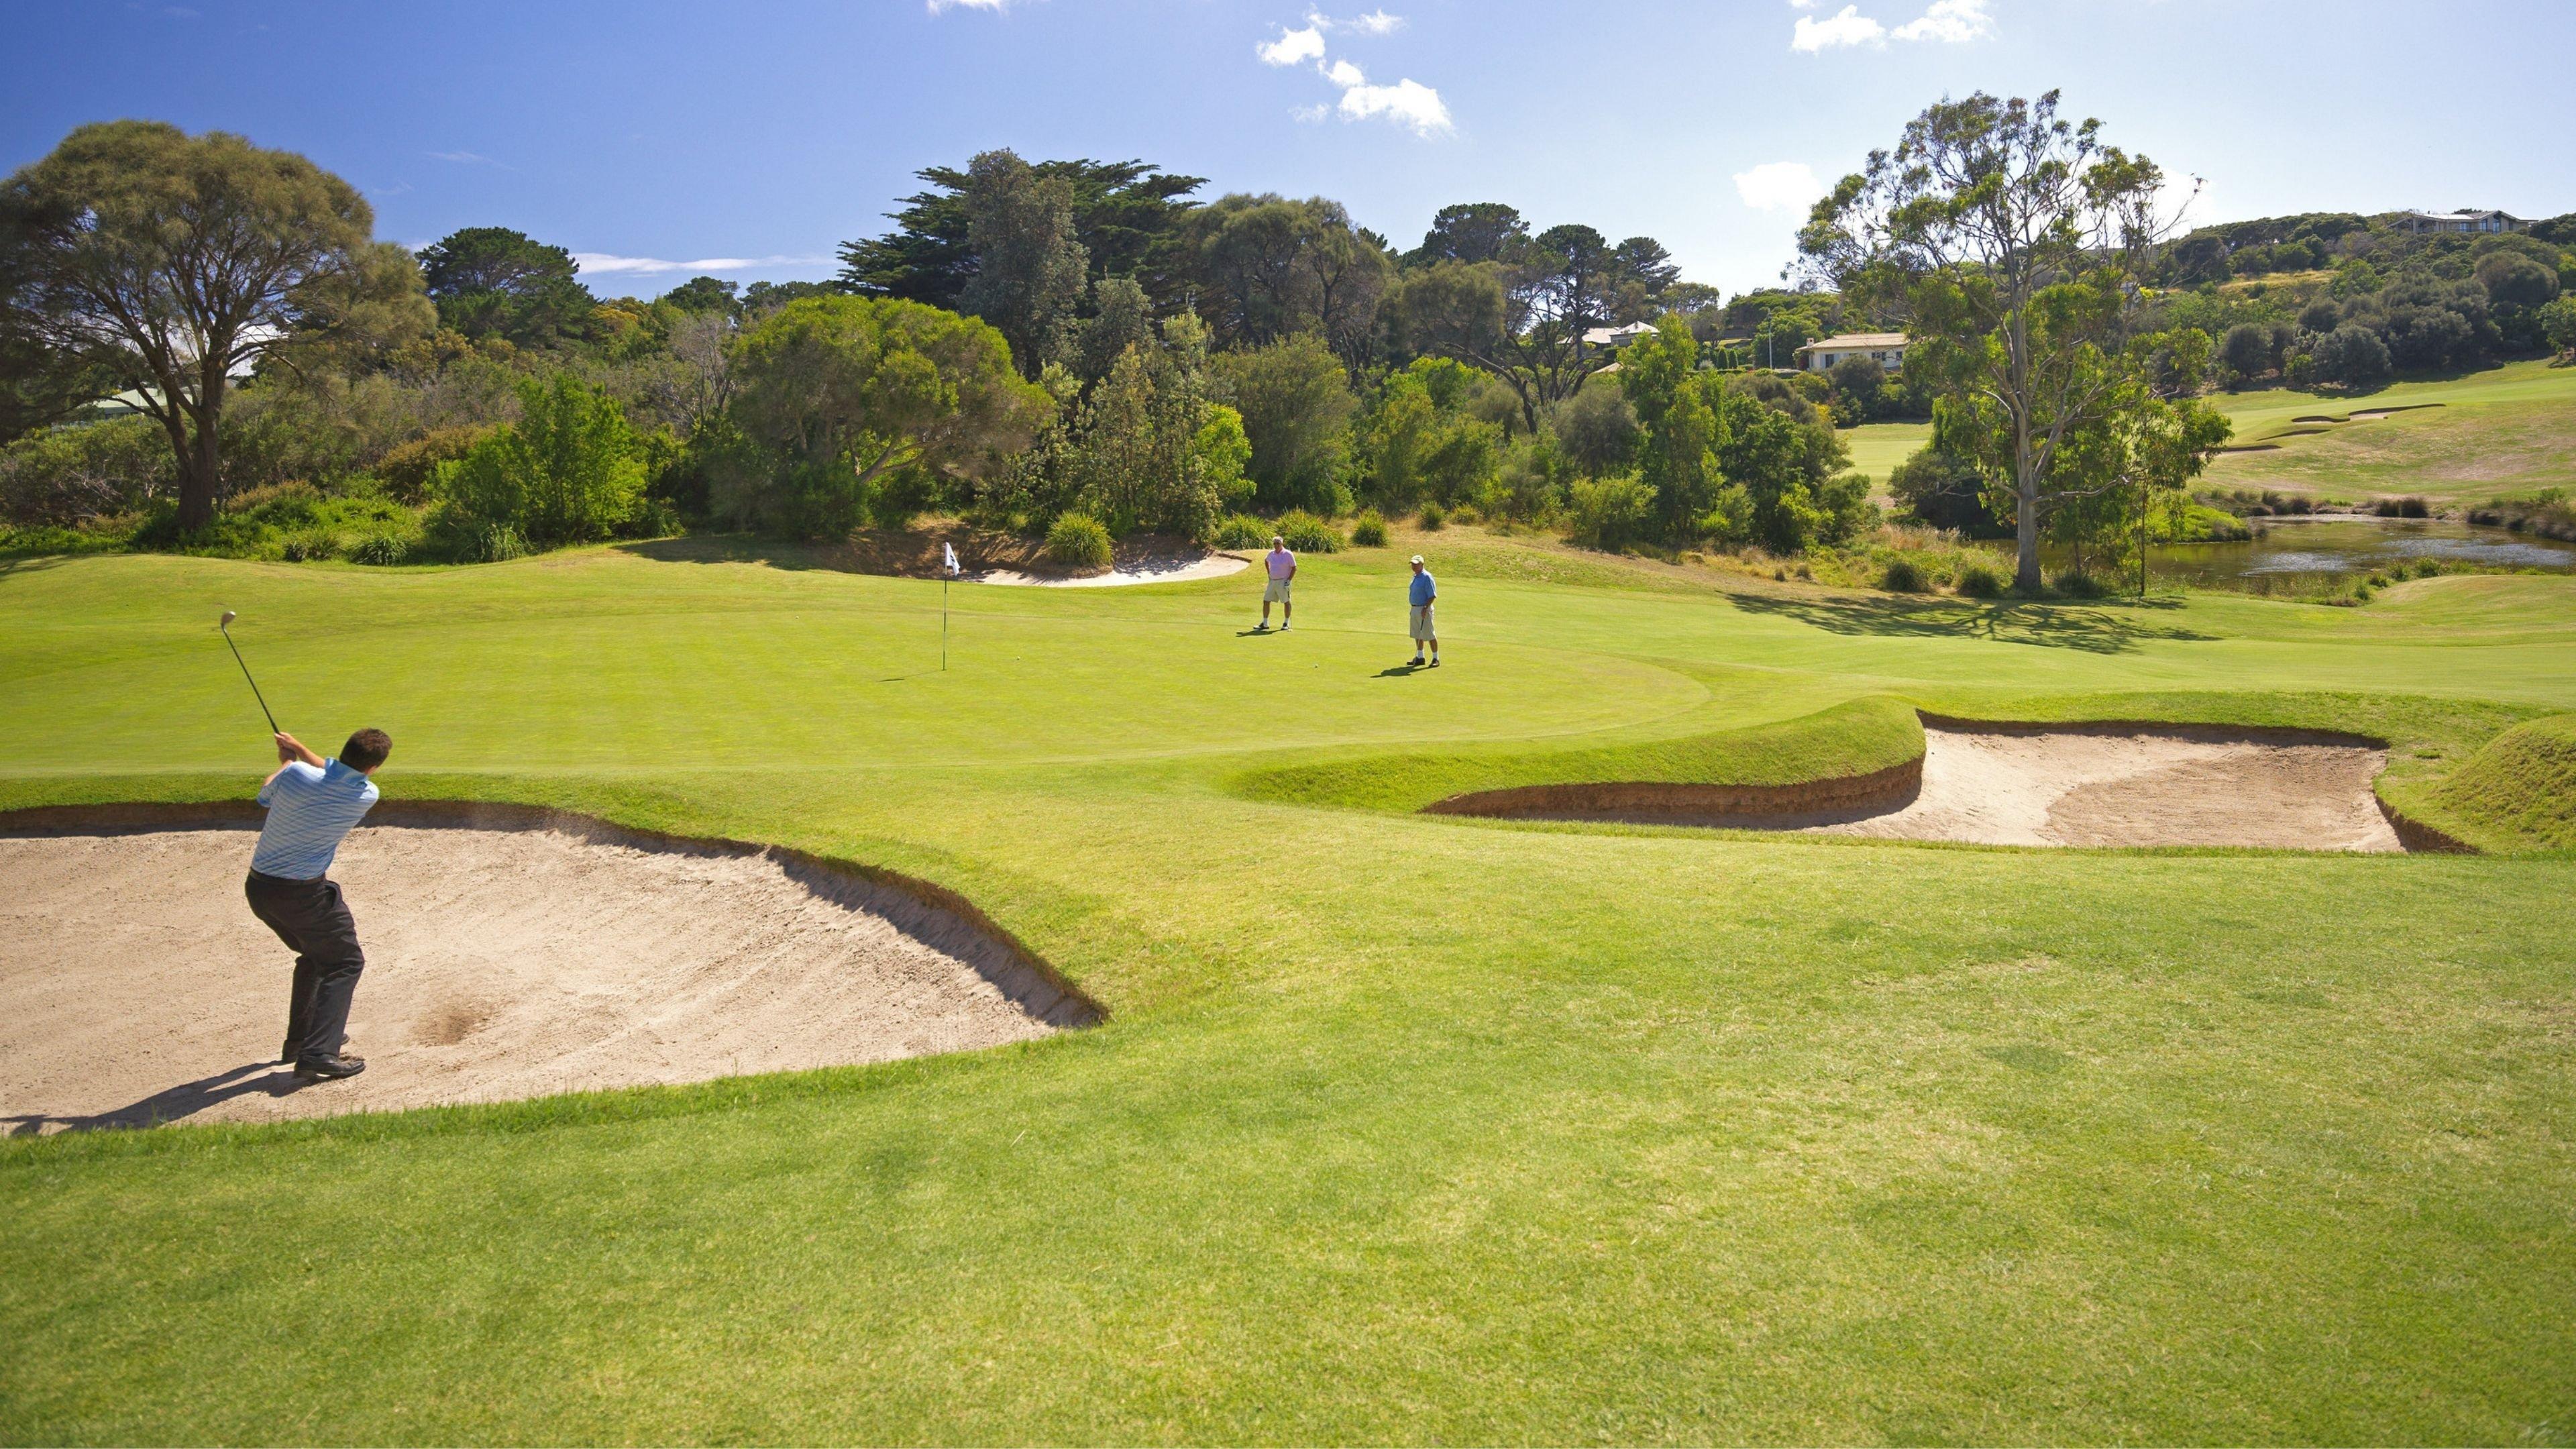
point(312, 804)
point(1421, 593)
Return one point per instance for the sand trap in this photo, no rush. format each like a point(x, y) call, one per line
point(2119, 785)
point(1150, 569)
point(500, 963)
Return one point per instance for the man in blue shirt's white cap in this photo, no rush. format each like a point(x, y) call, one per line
point(312, 805)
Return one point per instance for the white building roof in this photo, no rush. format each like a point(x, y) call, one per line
point(1857, 342)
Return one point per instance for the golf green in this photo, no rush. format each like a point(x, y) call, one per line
point(1401, 1127)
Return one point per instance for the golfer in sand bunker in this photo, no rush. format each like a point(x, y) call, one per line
point(312, 805)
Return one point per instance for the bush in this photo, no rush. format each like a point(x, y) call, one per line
point(59, 476)
point(1902, 577)
point(1434, 517)
point(2351, 355)
point(1308, 534)
point(408, 470)
point(2402, 508)
point(382, 550)
point(1077, 542)
point(570, 469)
point(1977, 581)
point(1608, 513)
point(1240, 530)
point(460, 539)
point(1369, 530)
point(2078, 585)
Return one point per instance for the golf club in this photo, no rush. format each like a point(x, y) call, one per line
point(224, 626)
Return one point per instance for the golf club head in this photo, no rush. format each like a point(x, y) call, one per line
point(227, 620)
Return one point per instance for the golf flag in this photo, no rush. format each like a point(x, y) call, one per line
point(951, 550)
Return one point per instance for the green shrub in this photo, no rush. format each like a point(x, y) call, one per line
point(1608, 513)
point(409, 469)
point(1977, 581)
point(1306, 533)
point(1434, 517)
point(1078, 542)
point(1903, 577)
point(1369, 530)
point(459, 539)
point(1241, 530)
point(380, 549)
point(570, 469)
point(2075, 584)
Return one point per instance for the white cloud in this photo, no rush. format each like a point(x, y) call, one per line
point(938, 5)
point(1949, 20)
point(1294, 46)
point(1407, 102)
point(1847, 27)
point(1952, 21)
point(602, 263)
point(1801, 4)
point(1779, 186)
point(463, 158)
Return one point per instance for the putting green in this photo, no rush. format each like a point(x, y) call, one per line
point(1403, 1127)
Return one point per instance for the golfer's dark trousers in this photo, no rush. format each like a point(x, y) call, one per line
point(310, 917)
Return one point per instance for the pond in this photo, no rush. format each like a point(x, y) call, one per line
point(2297, 555)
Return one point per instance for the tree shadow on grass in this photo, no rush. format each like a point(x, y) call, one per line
point(2110, 627)
point(172, 1104)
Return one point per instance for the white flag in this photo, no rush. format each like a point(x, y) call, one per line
point(951, 550)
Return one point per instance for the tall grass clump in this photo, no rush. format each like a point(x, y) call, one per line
point(1240, 530)
point(1306, 533)
point(1369, 530)
point(1903, 577)
point(1977, 581)
point(1077, 542)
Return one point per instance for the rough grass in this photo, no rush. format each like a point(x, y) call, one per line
point(1404, 1128)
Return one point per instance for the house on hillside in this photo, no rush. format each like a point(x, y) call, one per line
point(1615, 338)
point(2421, 222)
point(1888, 348)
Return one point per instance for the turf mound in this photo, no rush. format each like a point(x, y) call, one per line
point(2519, 792)
point(504, 962)
point(1867, 737)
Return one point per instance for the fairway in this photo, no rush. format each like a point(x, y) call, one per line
point(1400, 1127)
point(2510, 429)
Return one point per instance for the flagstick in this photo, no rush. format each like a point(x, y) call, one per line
point(943, 626)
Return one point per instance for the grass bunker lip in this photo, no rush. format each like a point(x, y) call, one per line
point(514, 952)
point(2095, 783)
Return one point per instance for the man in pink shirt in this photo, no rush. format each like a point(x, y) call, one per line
point(1283, 569)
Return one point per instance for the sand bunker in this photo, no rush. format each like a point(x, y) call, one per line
point(501, 963)
point(1148, 569)
point(2114, 785)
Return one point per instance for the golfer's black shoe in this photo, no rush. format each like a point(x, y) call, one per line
point(1435, 663)
point(328, 1069)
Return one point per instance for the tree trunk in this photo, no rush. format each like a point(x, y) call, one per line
point(2026, 535)
point(200, 470)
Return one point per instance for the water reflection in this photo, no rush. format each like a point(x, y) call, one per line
point(2302, 552)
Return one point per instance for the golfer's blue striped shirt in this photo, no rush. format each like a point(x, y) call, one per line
point(309, 811)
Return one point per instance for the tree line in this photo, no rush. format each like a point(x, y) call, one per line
point(1032, 341)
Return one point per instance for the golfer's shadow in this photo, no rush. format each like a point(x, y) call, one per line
point(173, 1104)
point(1399, 671)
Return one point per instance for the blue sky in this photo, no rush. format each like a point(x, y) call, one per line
point(760, 136)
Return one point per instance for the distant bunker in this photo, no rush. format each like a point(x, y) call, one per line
point(510, 953)
point(2004, 784)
